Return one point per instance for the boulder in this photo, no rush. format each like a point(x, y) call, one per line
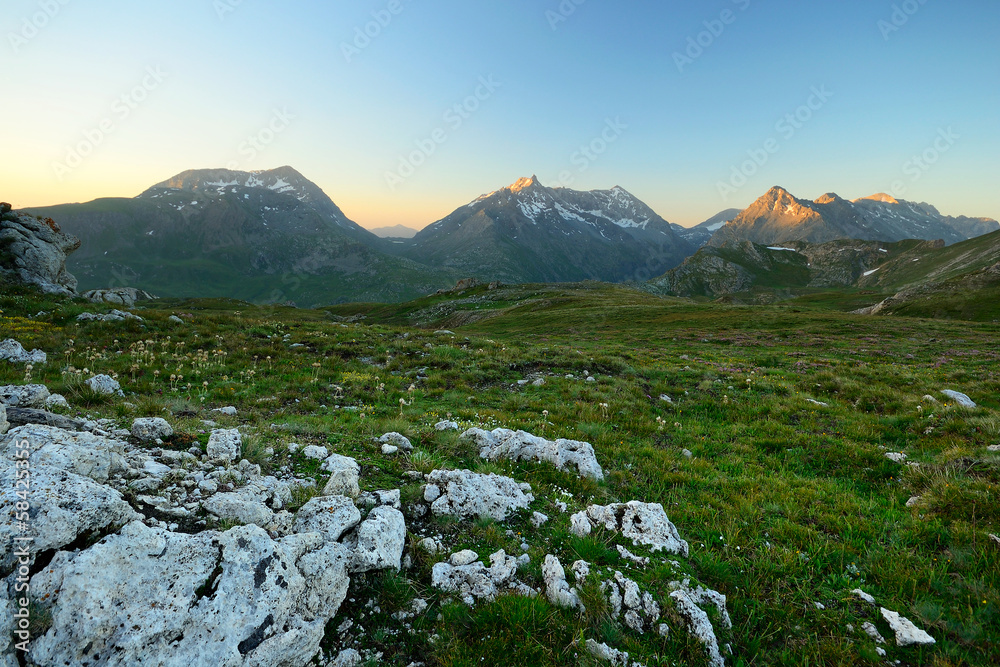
point(960, 399)
point(378, 542)
point(228, 411)
point(151, 429)
point(245, 506)
point(14, 352)
point(82, 454)
point(344, 476)
point(446, 426)
point(110, 316)
point(315, 452)
point(105, 384)
point(397, 440)
point(907, 634)
point(33, 252)
point(467, 494)
point(611, 656)
point(521, 446)
point(699, 626)
point(225, 445)
point(4, 424)
point(625, 597)
point(643, 523)
point(24, 396)
point(330, 516)
point(126, 297)
point(147, 596)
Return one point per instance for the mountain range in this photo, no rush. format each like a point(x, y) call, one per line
point(274, 236)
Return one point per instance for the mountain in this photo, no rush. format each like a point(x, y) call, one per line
point(780, 218)
point(264, 236)
point(394, 232)
point(530, 233)
point(700, 234)
point(970, 296)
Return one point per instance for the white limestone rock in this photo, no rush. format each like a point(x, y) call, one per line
point(521, 446)
point(345, 474)
point(316, 452)
point(397, 440)
point(244, 506)
point(446, 426)
point(907, 634)
point(643, 523)
point(56, 402)
point(467, 494)
point(378, 542)
point(557, 590)
point(105, 384)
point(151, 429)
point(4, 424)
point(331, 516)
point(228, 411)
point(611, 656)
point(475, 581)
point(12, 351)
point(699, 626)
point(147, 596)
point(77, 452)
point(960, 399)
point(225, 445)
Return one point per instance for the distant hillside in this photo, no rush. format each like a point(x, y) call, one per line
point(395, 232)
point(700, 234)
point(258, 236)
point(530, 233)
point(780, 218)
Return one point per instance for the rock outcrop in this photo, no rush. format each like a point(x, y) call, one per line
point(33, 251)
point(126, 297)
point(643, 523)
point(466, 494)
point(520, 446)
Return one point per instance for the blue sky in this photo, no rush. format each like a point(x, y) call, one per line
point(147, 90)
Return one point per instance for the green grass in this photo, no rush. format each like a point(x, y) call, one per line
point(784, 503)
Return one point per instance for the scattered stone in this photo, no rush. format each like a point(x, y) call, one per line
point(928, 399)
point(316, 453)
point(446, 426)
point(818, 403)
point(344, 476)
point(520, 446)
point(896, 457)
point(687, 453)
point(995, 538)
point(397, 440)
point(14, 352)
point(444, 332)
point(391, 498)
point(540, 382)
point(993, 448)
point(557, 590)
point(629, 556)
point(581, 570)
point(105, 384)
point(228, 411)
point(4, 424)
point(861, 595)
point(666, 399)
point(467, 494)
point(378, 542)
point(914, 501)
point(330, 516)
point(907, 634)
point(389, 450)
point(463, 558)
point(961, 399)
point(151, 429)
point(429, 544)
point(538, 519)
point(643, 523)
point(872, 632)
point(346, 658)
point(56, 402)
point(477, 582)
point(110, 316)
point(612, 656)
point(225, 445)
point(175, 320)
point(244, 506)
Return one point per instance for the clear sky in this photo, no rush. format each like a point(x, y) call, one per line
point(107, 97)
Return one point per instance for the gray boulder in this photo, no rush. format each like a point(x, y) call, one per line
point(397, 440)
point(378, 542)
point(643, 523)
point(151, 429)
point(105, 384)
point(14, 352)
point(330, 516)
point(244, 506)
point(699, 626)
point(80, 453)
point(110, 316)
point(148, 596)
point(557, 590)
point(467, 494)
point(520, 446)
point(24, 396)
point(344, 476)
point(4, 424)
point(960, 399)
point(475, 581)
point(34, 253)
point(907, 634)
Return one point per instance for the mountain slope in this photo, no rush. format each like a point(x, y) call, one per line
point(778, 218)
point(530, 233)
point(395, 232)
point(259, 236)
point(700, 234)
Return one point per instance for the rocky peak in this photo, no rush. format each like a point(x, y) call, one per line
point(831, 198)
point(525, 183)
point(880, 197)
